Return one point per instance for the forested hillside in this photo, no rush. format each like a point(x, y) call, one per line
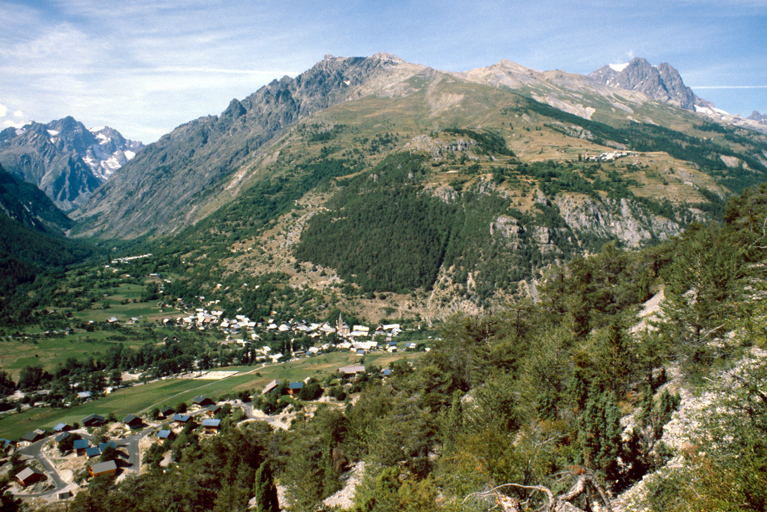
point(549, 401)
point(31, 242)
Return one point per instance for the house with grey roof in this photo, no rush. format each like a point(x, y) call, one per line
point(108, 468)
point(29, 476)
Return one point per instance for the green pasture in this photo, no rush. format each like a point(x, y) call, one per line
point(143, 398)
point(48, 351)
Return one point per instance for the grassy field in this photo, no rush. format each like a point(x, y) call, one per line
point(143, 398)
point(16, 353)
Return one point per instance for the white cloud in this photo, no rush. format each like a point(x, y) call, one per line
point(3, 110)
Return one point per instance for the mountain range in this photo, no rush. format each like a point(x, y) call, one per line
point(456, 184)
point(64, 159)
point(451, 190)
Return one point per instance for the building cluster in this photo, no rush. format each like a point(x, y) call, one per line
point(608, 157)
point(241, 330)
point(202, 414)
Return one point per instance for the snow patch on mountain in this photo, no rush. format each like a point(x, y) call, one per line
point(619, 67)
point(111, 151)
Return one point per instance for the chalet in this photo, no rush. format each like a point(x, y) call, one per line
point(62, 427)
point(80, 445)
point(29, 476)
point(271, 386)
point(64, 495)
point(108, 468)
point(167, 412)
point(295, 388)
point(59, 438)
point(94, 420)
point(211, 425)
point(386, 372)
point(31, 437)
point(165, 434)
point(133, 422)
point(182, 419)
point(360, 330)
point(104, 446)
point(93, 451)
point(5, 443)
point(349, 371)
point(360, 352)
point(202, 401)
point(212, 410)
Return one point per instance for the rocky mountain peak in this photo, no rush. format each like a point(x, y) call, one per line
point(759, 118)
point(662, 83)
point(65, 159)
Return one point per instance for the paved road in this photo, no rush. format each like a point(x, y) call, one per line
point(35, 450)
point(130, 444)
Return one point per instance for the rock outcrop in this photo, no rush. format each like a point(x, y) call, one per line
point(622, 219)
point(662, 83)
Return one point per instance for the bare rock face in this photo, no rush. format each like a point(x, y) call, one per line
point(64, 159)
point(662, 83)
point(623, 220)
point(759, 118)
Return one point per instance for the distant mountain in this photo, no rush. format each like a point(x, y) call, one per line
point(378, 175)
point(65, 159)
point(28, 205)
point(662, 83)
point(756, 116)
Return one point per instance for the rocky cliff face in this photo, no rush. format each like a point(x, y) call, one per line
point(756, 116)
point(662, 83)
point(63, 158)
point(622, 220)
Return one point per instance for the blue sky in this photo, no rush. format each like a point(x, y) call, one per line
point(144, 67)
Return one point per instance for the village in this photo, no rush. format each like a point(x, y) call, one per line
point(54, 464)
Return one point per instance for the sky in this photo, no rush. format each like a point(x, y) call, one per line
point(144, 67)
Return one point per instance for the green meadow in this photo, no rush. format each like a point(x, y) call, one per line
point(141, 399)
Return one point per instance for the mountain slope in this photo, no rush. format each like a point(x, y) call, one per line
point(63, 158)
point(165, 185)
point(445, 189)
point(28, 205)
point(202, 165)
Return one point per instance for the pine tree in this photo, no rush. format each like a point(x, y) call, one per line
point(264, 490)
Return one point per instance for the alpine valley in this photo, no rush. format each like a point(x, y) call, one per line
point(388, 287)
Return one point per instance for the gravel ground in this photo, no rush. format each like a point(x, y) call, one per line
point(345, 497)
